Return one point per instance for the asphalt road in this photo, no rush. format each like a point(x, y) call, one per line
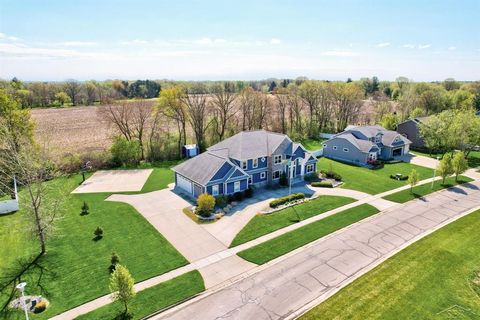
point(320, 269)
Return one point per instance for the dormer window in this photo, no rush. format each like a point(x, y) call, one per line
point(244, 165)
point(255, 163)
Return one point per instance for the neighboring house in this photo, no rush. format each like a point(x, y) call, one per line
point(365, 144)
point(249, 158)
point(410, 129)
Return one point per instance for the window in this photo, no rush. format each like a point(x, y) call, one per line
point(334, 147)
point(263, 159)
point(277, 159)
point(215, 190)
point(250, 180)
point(255, 163)
point(263, 175)
point(276, 175)
point(236, 186)
point(324, 145)
point(244, 165)
point(345, 149)
point(309, 168)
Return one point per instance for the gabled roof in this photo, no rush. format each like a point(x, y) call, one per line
point(367, 131)
point(388, 136)
point(203, 167)
point(362, 145)
point(250, 144)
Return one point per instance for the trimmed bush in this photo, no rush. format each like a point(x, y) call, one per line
point(40, 307)
point(322, 184)
point(238, 196)
point(205, 204)
point(98, 233)
point(310, 177)
point(249, 192)
point(85, 209)
point(283, 200)
point(221, 201)
point(331, 175)
point(402, 177)
point(283, 180)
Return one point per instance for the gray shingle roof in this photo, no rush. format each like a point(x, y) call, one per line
point(250, 144)
point(362, 145)
point(201, 168)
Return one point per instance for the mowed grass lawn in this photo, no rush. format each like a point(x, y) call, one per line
point(373, 181)
point(263, 224)
point(76, 266)
point(292, 240)
point(152, 299)
point(424, 189)
point(313, 144)
point(431, 279)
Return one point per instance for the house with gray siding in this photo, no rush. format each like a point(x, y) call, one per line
point(249, 158)
point(362, 145)
point(410, 129)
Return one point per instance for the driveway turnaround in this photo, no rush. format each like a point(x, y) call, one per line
point(289, 285)
point(115, 181)
point(163, 209)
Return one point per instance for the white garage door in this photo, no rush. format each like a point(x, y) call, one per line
point(184, 184)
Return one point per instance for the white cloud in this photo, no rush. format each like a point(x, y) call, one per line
point(6, 37)
point(409, 46)
point(382, 45)
point(78, 43)
point(133, 42)
point(424, 46)
point(275, 41)
point(336, 53)
point(452, 48)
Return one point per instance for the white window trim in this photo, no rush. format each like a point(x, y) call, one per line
point(279, 174)
point(263, 175)
point(276, 157)
point(215, 187)
point(309, 168)
point(334, 147)
point(235, 184)
point(255, 163)
point(345, 149)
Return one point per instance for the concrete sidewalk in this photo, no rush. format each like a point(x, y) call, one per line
point(303, 278)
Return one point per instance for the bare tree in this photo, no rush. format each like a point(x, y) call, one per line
point(347, 98)
point(309, 92)
point(247, 102)
point(172, 108)
point(223, 97)
point(73, 89)
point(195, 102)
point(282, 96)
point(295, 110)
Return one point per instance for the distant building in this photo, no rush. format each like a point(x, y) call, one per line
point(410, 129)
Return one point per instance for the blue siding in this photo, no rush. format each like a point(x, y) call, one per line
point(299, 152)
point(256, 177)
point(298, 170)
point(230, 186)
point(237, 173)
point(222, 172)
point(261, 164)
point(220, 189)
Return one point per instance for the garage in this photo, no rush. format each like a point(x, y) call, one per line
point(397, 152)
point(184, 184)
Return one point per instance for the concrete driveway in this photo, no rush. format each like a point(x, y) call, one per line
point(163, 209)
point(311, 274)
point(421, 161)
point(115, 181)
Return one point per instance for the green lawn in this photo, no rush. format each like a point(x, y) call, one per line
point(373, 181)
point(265, 223)
point(431, 279)
point(292, 240)
point(473, 157)
point(423, 190)
point(76, 266)
point(153, 299)
point(312, 144)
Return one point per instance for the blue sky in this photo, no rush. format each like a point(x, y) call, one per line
point(197, 40)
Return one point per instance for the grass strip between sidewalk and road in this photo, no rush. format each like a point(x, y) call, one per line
point(263, 224)
point(153, 299)
point(424, 189)
point(292, 240)
point(437, 277)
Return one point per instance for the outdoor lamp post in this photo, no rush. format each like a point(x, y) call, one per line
point(21, 286)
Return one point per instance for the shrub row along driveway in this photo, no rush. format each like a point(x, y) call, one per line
point(320, 269)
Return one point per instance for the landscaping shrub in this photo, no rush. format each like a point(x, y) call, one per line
point(221, 201)
point(331, 175)
point(98, 233)
point(205, 204)
point(322, 184)
point(310, 177)
point(283, 180)
point(114, 260)
point(238, 196)
point(85, 209)
point(125, 152)
point(40, 307)
point(249, 192)
point(283, 200)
